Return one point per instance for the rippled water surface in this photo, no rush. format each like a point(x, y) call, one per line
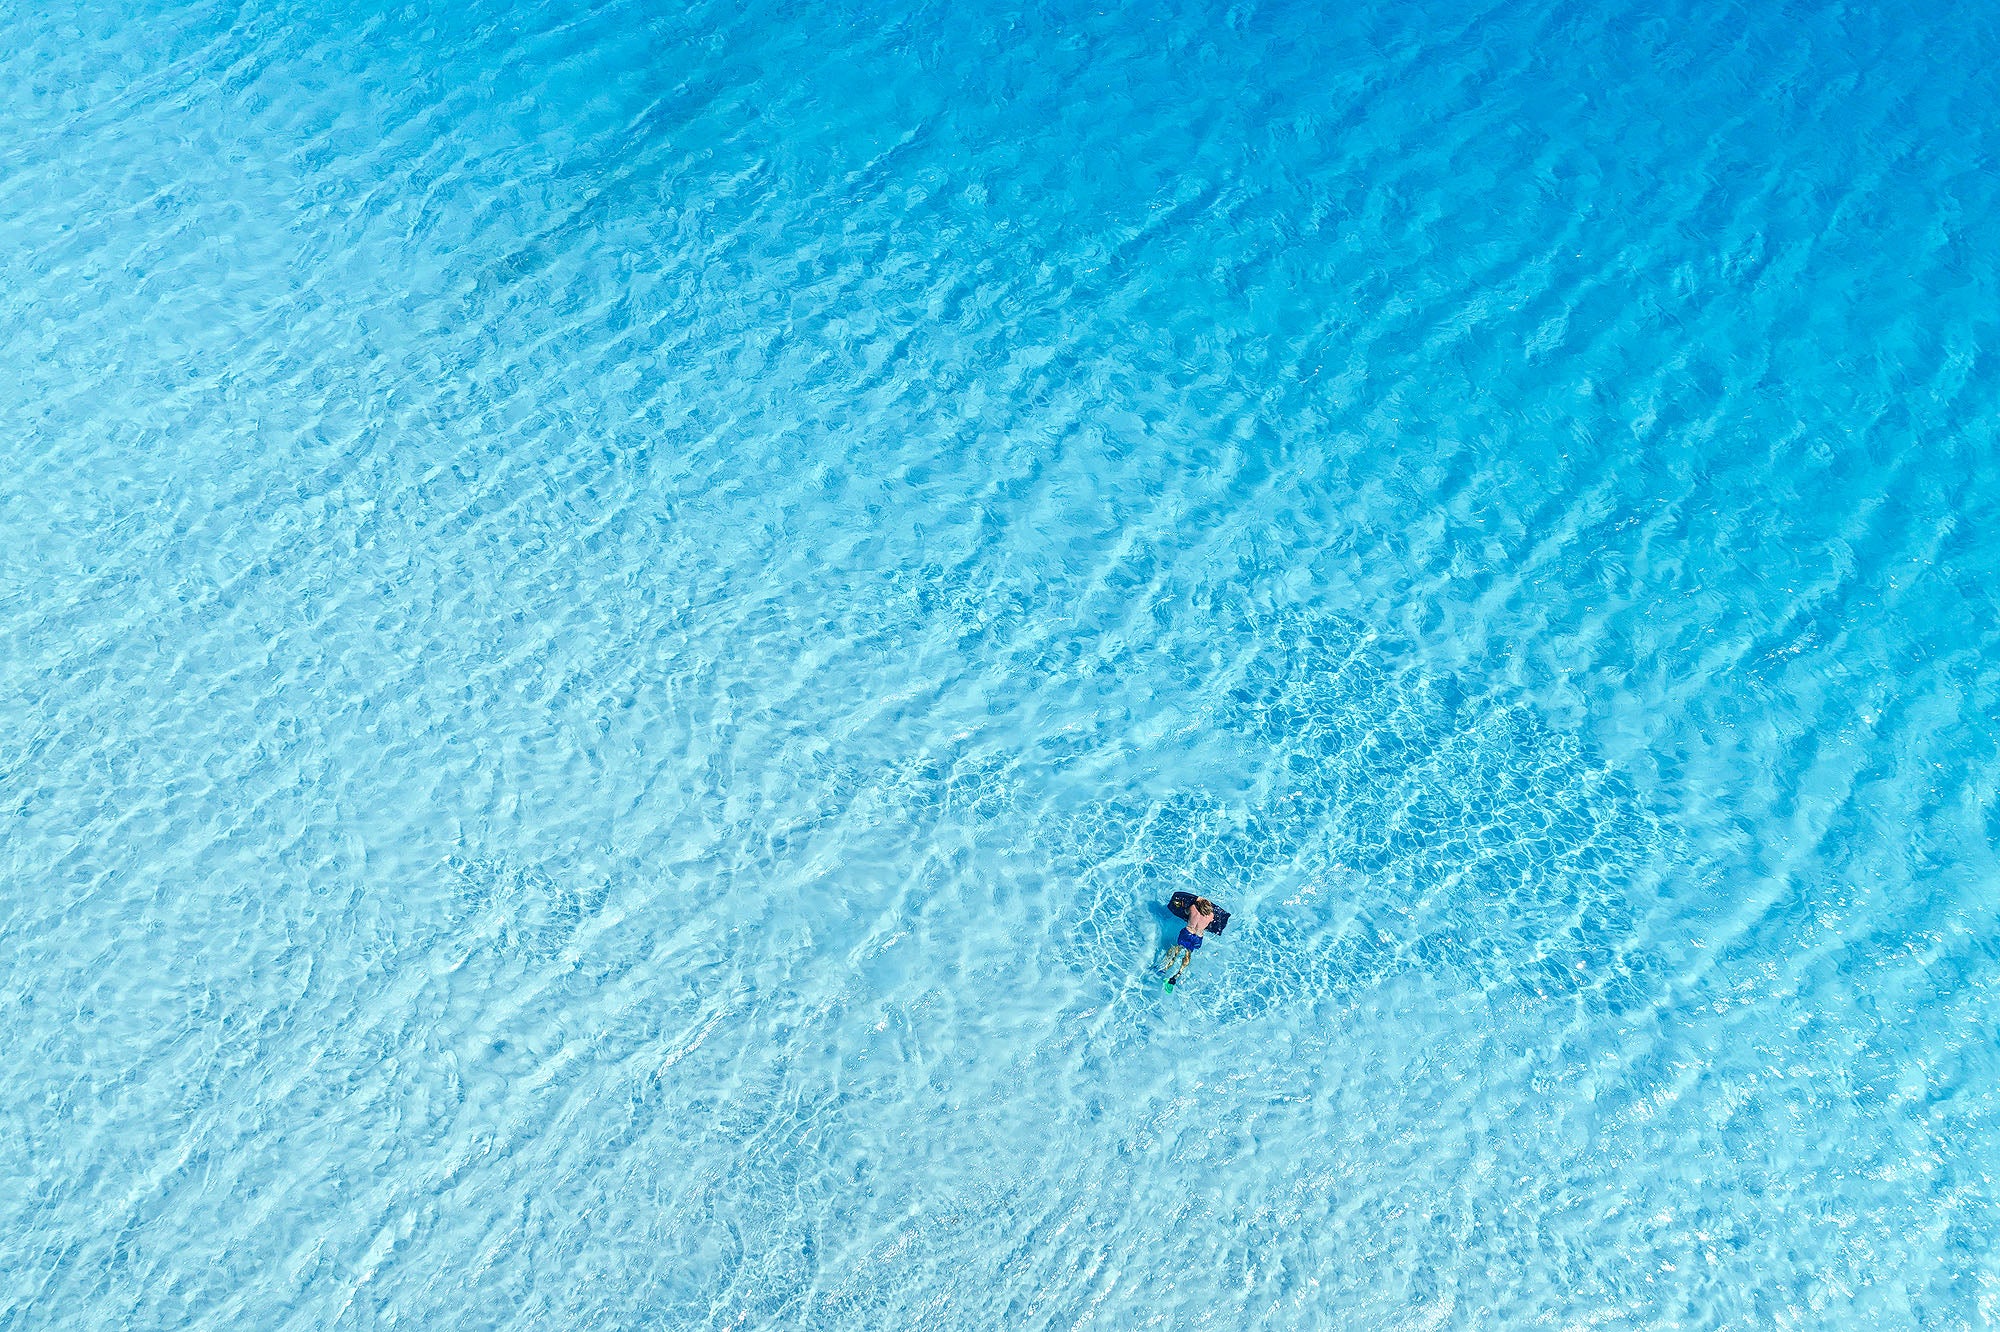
point(615, 621)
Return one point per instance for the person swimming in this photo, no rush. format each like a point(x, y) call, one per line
point(1200, 912)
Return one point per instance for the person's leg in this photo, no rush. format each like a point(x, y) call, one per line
point(1166, 962)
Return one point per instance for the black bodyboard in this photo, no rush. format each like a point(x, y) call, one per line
point(1181, 903)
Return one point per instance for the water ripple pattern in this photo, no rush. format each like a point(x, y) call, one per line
point(616, 619)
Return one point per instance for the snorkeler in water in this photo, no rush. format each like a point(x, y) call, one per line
point(1200, 912)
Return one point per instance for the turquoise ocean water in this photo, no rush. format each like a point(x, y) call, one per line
point(614, 620)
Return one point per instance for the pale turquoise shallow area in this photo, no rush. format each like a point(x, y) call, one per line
point(615, 619)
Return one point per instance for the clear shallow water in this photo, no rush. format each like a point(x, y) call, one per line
point(615, 620)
